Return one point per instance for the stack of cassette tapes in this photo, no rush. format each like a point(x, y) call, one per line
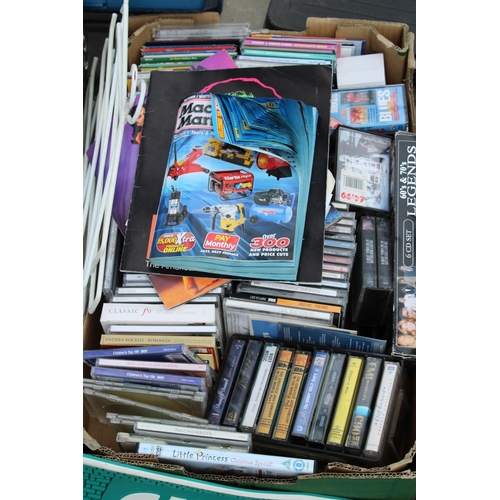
point(314, 402)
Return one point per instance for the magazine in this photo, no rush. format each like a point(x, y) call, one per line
point(236, 186)
point(311, 84)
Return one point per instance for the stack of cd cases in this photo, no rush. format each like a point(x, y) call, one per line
point(318, 403)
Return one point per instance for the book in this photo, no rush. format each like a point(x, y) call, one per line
point(226, 462)
point(176, 290)
point(213, 233)
point(175, 353)
point(323, 56)
point(344, 406)
point(404, 208)
point(294, 45)
point(166, 90)
point(255, 61)
point(156, 314)
point(319, 336)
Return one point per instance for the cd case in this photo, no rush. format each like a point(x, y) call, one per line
point(363, 169)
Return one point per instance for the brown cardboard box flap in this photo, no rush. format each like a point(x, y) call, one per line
point(400, 466)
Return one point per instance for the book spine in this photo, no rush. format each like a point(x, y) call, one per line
point(290, 54)
point(344, 406)
point(227, 381)
point(273, 398)
point(243, 383)
point(361, 414)
point(385, 259)
point(303, 419)
point(293, 388)
point(215, 460)
point(259, 385)
point(255, 42)
point(378, 427)
point(281, 60)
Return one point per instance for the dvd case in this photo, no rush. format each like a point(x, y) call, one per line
point(405, 245)
point(362, 169)
point(224, 462)
point(377, 109)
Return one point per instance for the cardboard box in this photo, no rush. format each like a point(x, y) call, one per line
point(393, 40)
point(396, 481)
